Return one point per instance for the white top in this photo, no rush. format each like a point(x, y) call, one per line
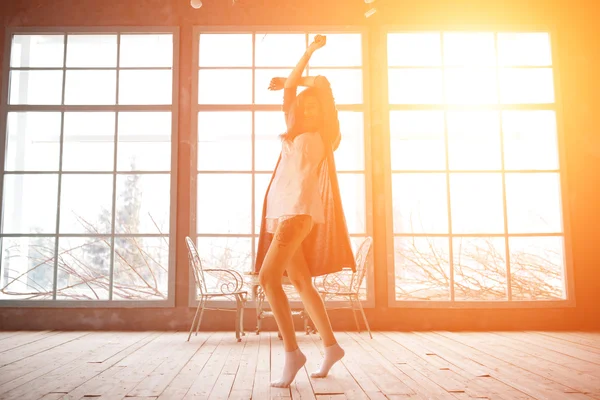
point(295, 186)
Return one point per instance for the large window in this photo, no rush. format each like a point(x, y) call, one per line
point(476, 177)
point(238, 123)
point(86, 178)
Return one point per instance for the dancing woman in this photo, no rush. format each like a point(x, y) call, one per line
point(303, 230)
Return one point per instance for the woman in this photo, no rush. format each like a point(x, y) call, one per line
point(303, 229)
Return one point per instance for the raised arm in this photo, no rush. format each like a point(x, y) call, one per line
point(278, 82)
point(295, 76)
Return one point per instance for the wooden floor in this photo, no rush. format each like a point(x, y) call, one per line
point(433, 365)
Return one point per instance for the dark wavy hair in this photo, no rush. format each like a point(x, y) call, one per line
point(329, 125)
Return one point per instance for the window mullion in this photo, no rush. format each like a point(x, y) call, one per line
point(111, 264)
point(447, 152)
point(60, 162)
point(502, 166)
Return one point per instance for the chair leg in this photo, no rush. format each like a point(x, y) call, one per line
point(242, 315)
point(256, 300)
point(354, 313)
point(237, 318)
point(305, 318)
point(364, 316)
point(203, 303)
point(259, 305)
point(194, 321)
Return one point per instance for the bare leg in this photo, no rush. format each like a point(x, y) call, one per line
point(300, 276)
point(288, 238)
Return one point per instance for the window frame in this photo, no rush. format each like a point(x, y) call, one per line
point(173, 108)
point(365, 108)
point(556, 106)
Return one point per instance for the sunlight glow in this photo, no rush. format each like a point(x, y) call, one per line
point(449, 93)
point(469, 49)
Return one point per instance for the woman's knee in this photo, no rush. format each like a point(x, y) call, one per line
point(268, 280)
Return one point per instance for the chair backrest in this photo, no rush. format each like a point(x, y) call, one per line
point(196, 264)
point(363, 261)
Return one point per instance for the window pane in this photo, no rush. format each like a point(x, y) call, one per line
point(476, 201)
point(144, 141)
point(91, 51)
point(524, 49)
point(224, 203)
point(415, 86)
point(145, 87)
point(422, 268)
point(261, 183)
point(530, 140)
point(89, 141)
point(36, 87)
point(474, 140)
point(471, 86)
point(346, 84)
point(342, 50)
point(469, 49)
point(537, 268)
point(141, 268)
point(262, 79)
point(86, 204)
point(414, 49)
point(225, 86)
point(83, 268)
point(27, 268)
point(533, 202)
point(352, 191)
point(479, 269)
point(226, 252)
point(146, 50)
point(90, 87)
point(33, 141)
point(225, 141)
point(268, 126)
point(225, 50)
point(417, 140)
point(350, 156)
point(143, 204)
point(35, 51)
point(526, 86)
point(420, 203)
point(279, 49)
point(23, 211)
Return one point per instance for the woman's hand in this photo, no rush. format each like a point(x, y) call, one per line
point(318, 42)
point(277, 83)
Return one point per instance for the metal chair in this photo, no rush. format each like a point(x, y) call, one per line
point(227, 283)
point(346, 284)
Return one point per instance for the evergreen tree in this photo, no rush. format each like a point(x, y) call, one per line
point(127, 221)
point(97, 252)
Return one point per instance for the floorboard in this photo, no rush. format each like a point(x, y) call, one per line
point(527, 365)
